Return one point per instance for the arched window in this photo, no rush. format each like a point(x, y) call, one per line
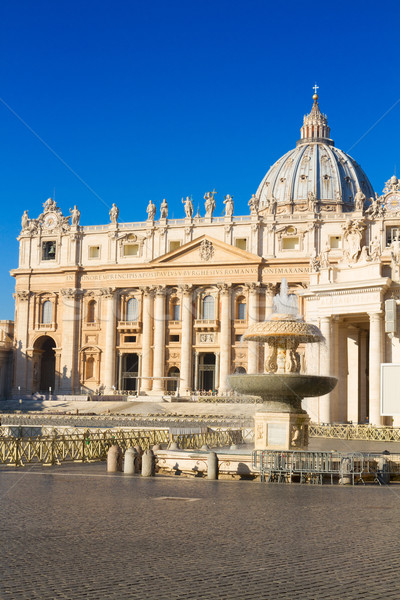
point(47, 312)
point(91, 311)
point(208, 307)
point(132, 310)
point(175, 310)
point(241, 308)
point(89, 368)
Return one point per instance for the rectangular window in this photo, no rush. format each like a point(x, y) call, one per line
point(290, 243)
point(174, 338)
point(174, 245)
point(392, 234)
point(241, 312)
point(131, 249)
point(176, 312)
point(129, 339)
point(238, 338)
point(335, 242)
point(94, 251)
point(241, 243)
point(49, 250)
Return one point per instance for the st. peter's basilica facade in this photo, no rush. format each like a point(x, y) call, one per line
point(147, 306)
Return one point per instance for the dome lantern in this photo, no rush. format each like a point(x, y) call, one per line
point(315, 126)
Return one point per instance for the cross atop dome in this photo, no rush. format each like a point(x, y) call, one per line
point(315, 88)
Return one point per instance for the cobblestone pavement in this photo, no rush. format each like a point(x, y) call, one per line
point(75, 532)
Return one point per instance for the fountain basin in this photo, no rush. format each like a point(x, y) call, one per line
point(282, 391)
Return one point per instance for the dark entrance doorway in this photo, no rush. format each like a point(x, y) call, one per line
point(172, 385)
point(44, 369)
point(207, 371)
point(130, 372)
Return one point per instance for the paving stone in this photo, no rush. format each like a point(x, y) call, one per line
point(69, 536)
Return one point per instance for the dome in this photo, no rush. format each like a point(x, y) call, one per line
point(315, 166)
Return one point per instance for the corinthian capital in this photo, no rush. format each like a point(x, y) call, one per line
point(160, 290)
point(107, 292)
point(224, 288)
point(185, 288)
point(70, 293)
point(22, 295)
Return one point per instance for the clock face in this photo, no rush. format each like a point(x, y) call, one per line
point(393, 202)
point(50, 221)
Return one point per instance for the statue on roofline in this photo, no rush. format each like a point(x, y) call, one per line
point(114, 214)
point(188, 206)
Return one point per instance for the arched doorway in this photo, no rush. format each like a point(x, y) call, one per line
point(44, 366)
point(172, 385)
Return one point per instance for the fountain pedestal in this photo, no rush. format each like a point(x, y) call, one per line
point(281, 431)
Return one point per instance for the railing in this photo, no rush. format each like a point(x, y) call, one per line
point(315, 467)
point(308, 466)
point(89, 446)
point(206, 324)
point(132, 325)
point(355, 432)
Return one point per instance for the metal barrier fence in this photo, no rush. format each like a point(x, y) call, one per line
point(355, 432)
point(314, 467)
point(93, 446)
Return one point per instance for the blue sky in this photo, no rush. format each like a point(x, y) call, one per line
point(152, 100)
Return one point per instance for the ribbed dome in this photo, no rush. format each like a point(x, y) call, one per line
point(316, 166)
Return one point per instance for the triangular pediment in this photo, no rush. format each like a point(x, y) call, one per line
point(206, 250)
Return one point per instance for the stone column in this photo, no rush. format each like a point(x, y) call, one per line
point(363, 376)
point(21, 339)
point(375, 359)
point(147, 353)
point(325, 368)
point(217, 378)
point(68, 375)
point(252, 347)
point(109, 355)
point(186, 341)
point(196, 371)
point(353, 361)
point(336, 412)
point(225, 341)
point(159, 339)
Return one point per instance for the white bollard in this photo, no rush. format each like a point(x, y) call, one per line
point(113, 459)
point(148, 463)
point(212, 466)
point(129, 461)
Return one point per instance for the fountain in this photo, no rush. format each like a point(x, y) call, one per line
point(282, 424)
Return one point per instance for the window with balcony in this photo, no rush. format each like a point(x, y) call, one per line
point(208, 308)
point(132, 309)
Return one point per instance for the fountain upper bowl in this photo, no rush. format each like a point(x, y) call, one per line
point(282, 385)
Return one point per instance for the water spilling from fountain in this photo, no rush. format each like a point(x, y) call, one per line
point(282, 424)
